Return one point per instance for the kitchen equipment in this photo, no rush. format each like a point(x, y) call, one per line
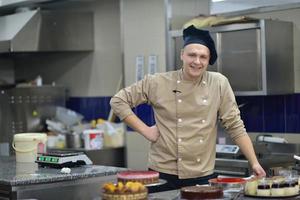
point(73, 140)
point(37, 30)
point(25, 109)
point(271, 156)
point(59, 159)
point(270, 138)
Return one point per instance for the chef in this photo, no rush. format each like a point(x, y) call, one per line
point(188, 104)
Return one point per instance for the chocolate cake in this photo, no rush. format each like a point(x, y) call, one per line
point(201, 192)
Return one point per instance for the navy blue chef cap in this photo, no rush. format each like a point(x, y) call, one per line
point(194, 35)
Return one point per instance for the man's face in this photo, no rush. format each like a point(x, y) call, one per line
point(195, 58)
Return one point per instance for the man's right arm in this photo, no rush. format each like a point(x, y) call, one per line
point(129, 97)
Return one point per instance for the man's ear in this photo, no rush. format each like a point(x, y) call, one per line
point(181, 53)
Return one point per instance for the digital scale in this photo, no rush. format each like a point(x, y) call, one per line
point(60, 159)
point(227, 149)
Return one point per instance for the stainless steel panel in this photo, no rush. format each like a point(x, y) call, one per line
point(240, 57)
point(38, 30)
point(26, 109)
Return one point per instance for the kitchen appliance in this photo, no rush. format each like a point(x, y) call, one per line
point(60, 159)
point(25, 109)
point(46, 31)
point(272, 156)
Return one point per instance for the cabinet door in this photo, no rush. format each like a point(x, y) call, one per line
point(240, 60)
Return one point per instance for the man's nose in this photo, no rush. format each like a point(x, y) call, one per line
point(197, 60)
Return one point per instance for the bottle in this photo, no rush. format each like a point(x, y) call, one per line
point(39, 81)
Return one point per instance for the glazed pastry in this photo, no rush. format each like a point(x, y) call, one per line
point(263, 189)
point(278, 189)
point(290, 188)
point(251, 186)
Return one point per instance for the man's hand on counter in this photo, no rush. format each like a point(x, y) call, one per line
point(258, 170)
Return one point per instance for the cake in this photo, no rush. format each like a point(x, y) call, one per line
point(277, 186)
point(263, 190)
point(277, 189)
point(251, 186)
point(128, 191)
point(201, 192)
point(290, 188)
point(145, 177)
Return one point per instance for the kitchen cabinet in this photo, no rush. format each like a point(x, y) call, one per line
point(256, 57)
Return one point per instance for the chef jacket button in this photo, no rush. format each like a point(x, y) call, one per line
point(179, 120)
point(201, 141)
point(179, 159)
point(178, 81)
point(198, 159)
point(179, 100)
point(204, 100)
point(204, 82)
point(179, 140)
point(203, 121)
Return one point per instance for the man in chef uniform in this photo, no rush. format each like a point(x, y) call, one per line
point(187, 105)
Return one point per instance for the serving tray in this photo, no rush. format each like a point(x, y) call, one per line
point(271, 197)
point(160, 182)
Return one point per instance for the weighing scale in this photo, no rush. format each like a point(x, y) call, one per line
point(60, 159)
point(227, 148)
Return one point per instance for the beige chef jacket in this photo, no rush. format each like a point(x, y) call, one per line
point(186, 115)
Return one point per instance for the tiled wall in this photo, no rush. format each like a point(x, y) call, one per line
point(272, 114)
point(276, 114)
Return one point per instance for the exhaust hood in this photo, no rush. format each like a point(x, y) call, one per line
point(46, 31)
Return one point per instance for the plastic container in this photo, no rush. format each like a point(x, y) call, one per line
point(28, 145)
point(93, 139)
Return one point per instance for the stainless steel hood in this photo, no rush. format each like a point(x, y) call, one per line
point(37, 31)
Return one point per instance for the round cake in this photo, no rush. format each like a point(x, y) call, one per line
point(145, 177)
point(128, 191)
point(201, 192)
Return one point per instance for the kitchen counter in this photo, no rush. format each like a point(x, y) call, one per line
point(27, 180)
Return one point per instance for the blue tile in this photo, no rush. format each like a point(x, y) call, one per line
point(292, 105)
point(251, 112)
point(274, 113)
point(90, 107)
point(145, 113)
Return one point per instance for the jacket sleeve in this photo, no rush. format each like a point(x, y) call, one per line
point(229, 113)
point(130, 97)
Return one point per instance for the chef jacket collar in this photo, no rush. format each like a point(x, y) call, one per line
point(197, 81)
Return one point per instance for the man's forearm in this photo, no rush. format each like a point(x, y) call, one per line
point(246, 147)
point(136, 124)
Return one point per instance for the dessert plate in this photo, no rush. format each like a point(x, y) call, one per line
point(160, 182)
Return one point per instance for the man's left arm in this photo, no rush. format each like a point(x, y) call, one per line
point(245, 144)
point(229, 115)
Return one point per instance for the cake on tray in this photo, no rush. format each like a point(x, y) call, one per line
point(201, 192)
point(145, 177)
